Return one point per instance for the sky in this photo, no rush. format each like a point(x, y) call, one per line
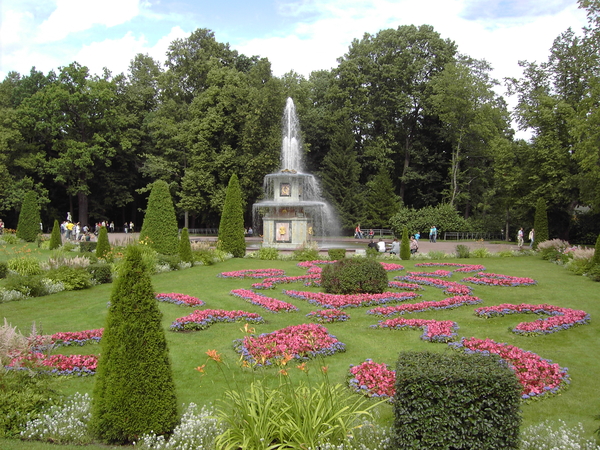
point(301, 35)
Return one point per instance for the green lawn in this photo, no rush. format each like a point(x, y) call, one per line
point(575, 348)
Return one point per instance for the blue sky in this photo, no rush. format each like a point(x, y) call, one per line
point(301, 35)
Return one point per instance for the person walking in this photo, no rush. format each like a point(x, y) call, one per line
point(357, 232)
point(531, 238)
point(433, 234)
point(520, 238)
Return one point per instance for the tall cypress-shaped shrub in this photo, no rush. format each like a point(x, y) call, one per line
point(159, 229)
point(55, 239)
point(28, 226)
point(540, 222)
point(595, 261)
point(103, 246)
point(134, 391)
point(185, 247)
point(231, 228)
point(405, 245)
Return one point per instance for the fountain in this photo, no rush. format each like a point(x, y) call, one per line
point(293, 213)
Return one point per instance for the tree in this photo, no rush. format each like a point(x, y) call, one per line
point(185, 247)
point(405, 245)
point(55, 237)
point(381, 202)
point(231, 228)
point(540, 223)
point(340, 180)
point(28, 226)
point(159, 228)
point(134, 391)
point(103, 245)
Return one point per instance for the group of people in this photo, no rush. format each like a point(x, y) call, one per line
point(358, 234)
point(395, 247)
point(74, 231)
point(521, 236)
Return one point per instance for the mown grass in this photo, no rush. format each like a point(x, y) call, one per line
point(575, 348)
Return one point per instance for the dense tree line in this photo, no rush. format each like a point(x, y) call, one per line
point(404, 121)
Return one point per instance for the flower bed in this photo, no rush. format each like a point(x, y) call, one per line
point(537, 376)
point(404, 286)
point(334, 301)
point(253, 273)
point(494, 279)
point(76, 337)
point(270, 282)
point(263, 301)
point(433, 330)
point(309, 264)
point(561, 318)
point(447, 303)
point(77, 365)
point(436, 273)
point(328, 316)
point(179, 299)
point(372, 379)
point(451, 287)
point(392, 267)
point(301, 342)
point(202, 319)
point(461, 267)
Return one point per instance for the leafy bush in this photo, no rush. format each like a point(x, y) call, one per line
point(28, 227)
point(444, 216)
point(354, 276)
point(231, 227)
point(551, 250)
point(172, 261)
point(160, 230)
point(3, 269)
point(306, 253)
point(372, 252)
point(204, 257)
point(481, 252)
point(465, 401)
point(24, 265)
point(88, 246)
point(436, 254)
point(11, 239)
point(594, 273)
point(405, 246)
point(268, 253)
point(65, 423)
point(28, 285)
point(100, 272)
point(462, 251)
point(72, 278)
point(55, 238)
point(336, 253)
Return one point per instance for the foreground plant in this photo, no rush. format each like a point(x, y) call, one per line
point(550, 435)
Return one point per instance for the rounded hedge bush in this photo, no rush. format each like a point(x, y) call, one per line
point(354, 276)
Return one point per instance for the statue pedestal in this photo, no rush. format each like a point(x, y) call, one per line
point(286, 232)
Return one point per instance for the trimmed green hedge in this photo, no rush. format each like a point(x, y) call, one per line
point(354, 276)
point(231, 228)
point(28, 226)
point(55, 238)
point(160, 229)
point(455, 401)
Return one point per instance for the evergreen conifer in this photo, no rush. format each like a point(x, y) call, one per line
point(540, 222)
point(28, 226)
point(231, 228)
point(134, 391)
point(595, 261)
point(405, 245)
point(160, 229)
point(55, 238)
point(103, 246)
point(185, 247)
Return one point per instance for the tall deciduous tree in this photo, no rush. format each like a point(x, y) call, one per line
point(159, 229)
point(231, 228)
point(134, 391)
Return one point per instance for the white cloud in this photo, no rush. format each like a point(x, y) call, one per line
point(116, 54)
point(71, 16)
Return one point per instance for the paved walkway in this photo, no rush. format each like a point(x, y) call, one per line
point(348, 242)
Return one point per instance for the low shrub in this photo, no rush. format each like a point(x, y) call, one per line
point(336, 253)
point(203, 257)
point(481, 252)
point(24, 265)
point(172, 261)
point(29, 286)
point(101, 273)
point(372, 252)
point(434, 254)
point(462, 251)
point(306, 253)
point(87, 246)
point(3, 269)
point(268, 253)
point(556, 435)
point(72, 278)
point(10, 239)
point(354, 276)
point(594, 273)
point(465, 401)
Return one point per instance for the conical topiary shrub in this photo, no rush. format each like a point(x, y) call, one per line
point(28, 226)
point(595, 261)
point(134, 391)
point(159, 229)
point(103, 246)
point(540, 222)
point(231, 228)
point(405, 245)
point(55, 238)
point(185, 247)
